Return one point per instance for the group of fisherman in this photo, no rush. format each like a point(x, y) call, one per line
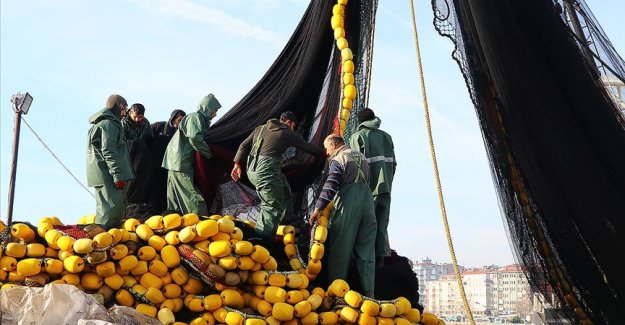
point(360, 176)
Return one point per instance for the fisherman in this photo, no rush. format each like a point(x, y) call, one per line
point(168, 128)
point(108, 163)
point(377, 146)
point(352, 232)
point(182, 194)
point(263, 149)
point(136, 126)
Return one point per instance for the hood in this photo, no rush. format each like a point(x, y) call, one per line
point(208, 105)
point(103, 114)
point(274, 124)
point(174, 114)
point(371, 124)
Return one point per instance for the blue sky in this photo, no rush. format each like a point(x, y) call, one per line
point(70, 55)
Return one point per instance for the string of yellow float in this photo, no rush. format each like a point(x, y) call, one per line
point(348, 89)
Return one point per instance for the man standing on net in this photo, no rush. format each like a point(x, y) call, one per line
point(352, 233)
point(377, 146)
point(263, 149)
point(108, 162)
point(182, 194)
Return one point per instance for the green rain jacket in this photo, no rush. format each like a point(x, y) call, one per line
point(190, 137)
point(377, 146)
point(108, 160)
point(136, 132)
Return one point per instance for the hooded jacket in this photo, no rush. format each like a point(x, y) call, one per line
point(107, 152)
point(167, 128)
point(190, 137)
point(377, 146)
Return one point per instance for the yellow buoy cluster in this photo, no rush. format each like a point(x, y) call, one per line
point(319, 235)
point(348, 88)
point(203, 265)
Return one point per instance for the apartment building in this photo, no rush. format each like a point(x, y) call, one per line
point(427, 271)
point(491, 291)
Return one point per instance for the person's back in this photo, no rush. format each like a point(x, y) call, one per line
point(262, 152)
point(277, 137)
point(377, 146)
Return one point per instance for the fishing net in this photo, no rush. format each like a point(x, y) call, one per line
point(555, 141)
point(305, 79)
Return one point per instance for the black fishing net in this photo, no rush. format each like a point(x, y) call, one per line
point(305, 79)
point(555, 140)
point(596, 46)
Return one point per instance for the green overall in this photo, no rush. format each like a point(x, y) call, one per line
point(108, 161)
point(378, 148)
point(110, 205)
point(183, 195)
point(352, 233)
point(273, 189)
point(179, 159)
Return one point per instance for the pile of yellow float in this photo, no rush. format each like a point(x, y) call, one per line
point(170, 263)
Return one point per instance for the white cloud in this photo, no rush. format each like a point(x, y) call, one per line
point(189, 10)
point(395, 16)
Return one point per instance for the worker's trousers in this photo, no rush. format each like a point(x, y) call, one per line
point(183, 195)
point(110, 205)
point(274, 192)
point(352, 235)
point(382, 206)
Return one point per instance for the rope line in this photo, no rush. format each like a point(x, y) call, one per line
point(57, 158)
point(436, 174)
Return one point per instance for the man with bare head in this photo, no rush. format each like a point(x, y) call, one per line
point(352, 232)
point(136, 126)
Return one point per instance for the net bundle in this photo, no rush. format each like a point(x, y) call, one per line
point(556, 144)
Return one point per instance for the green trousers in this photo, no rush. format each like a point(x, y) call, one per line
point(110, 205)
point(352, 235)
point(183, 195)
point(274, 192)
point(382, 206)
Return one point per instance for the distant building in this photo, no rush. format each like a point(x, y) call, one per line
point(616, 90)
point(427, 271)
point(511, 291)
point(491, 291)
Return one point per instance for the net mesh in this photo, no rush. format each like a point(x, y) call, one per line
point(555, 140)
point(305, 79)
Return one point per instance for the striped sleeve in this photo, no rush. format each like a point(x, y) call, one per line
point(331, 186)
